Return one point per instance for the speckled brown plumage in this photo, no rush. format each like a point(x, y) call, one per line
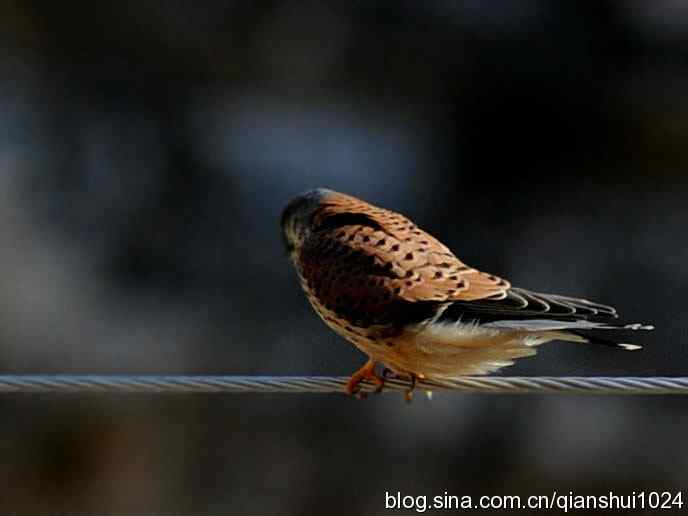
point(406, 262)
point(383, 283)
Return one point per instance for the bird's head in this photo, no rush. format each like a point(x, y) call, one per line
point(297, 218)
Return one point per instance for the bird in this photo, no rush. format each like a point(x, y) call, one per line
point(406, 301)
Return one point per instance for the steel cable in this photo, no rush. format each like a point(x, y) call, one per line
point(186, 384)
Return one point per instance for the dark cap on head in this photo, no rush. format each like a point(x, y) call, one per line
point(303, 203)
point(296, 216)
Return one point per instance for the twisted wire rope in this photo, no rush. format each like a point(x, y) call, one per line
point(188, 384)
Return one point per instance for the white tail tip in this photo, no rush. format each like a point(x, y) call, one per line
point(638, 326)
point(629, 347)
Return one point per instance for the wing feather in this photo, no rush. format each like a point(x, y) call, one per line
point(420, 267)
point(379, 254)
point(521, 304)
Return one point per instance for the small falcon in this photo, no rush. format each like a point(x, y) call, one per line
point(403, 298)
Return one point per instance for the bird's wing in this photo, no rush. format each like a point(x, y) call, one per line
point(522, 304)
point(409, 263)
point(375, 266)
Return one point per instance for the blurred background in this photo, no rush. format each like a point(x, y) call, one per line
point(147, 150)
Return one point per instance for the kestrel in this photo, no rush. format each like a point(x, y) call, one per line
point(405, 300)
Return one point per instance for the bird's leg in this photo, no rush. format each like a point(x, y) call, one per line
point(367, 372)
point(408, 395)
point(413, 378)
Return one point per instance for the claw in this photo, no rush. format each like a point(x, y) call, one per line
point(367, 372)
point(408, 395)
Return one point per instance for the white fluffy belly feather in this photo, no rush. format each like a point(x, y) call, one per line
point(444, 351)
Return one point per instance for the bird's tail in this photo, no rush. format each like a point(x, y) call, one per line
point(591, 338)
point(575, 331)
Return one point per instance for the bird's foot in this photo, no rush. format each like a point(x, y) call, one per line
point(412, 378)
point(367, 372)
point(408, 394)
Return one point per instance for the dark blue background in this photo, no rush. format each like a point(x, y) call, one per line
point(146, 152)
